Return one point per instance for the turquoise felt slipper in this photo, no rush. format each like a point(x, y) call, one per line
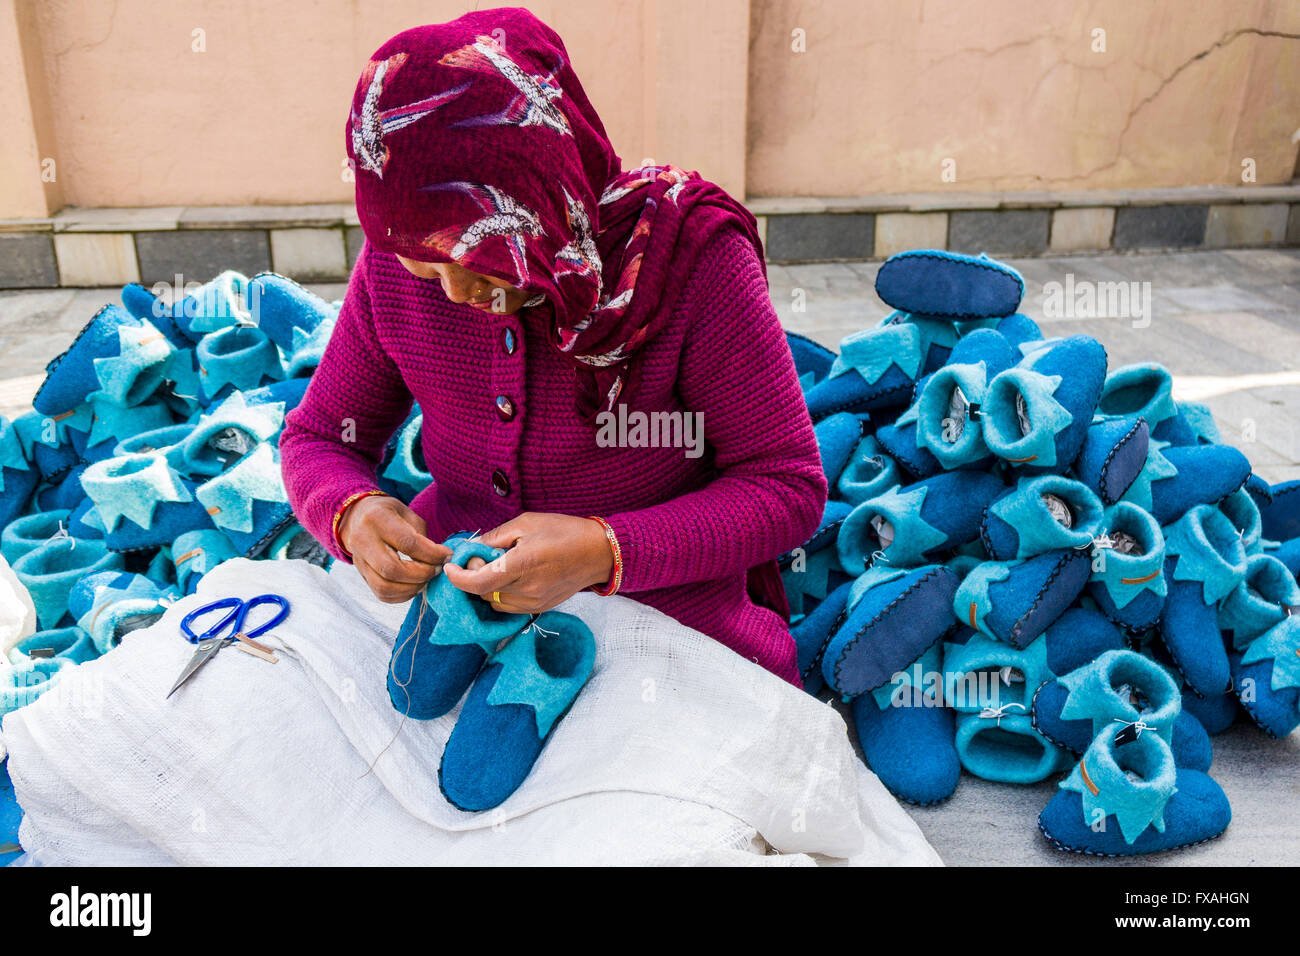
point(308, 350)
point(1266, 594)
point(18, 479)
point(1266, 678)
point(216, 304)
point(912, 525)
point(403, 473)
point(1036, 416)
point(50, 571)
point(812, 570)
point(116, 356)
point(1241, 510)
point(1204, 563)
point(195, 553)
point(870, 472)
point(142, 501)
point(906, 734)
point(1146, 390)
point(983, 674)
point(1128, 580)
point(31, 531)
point(26, 679)
point(1005, 748)
point(69, 643)
point(236, 359)
point(1043, 513)
point(1114, 453)
point(111, 604)
point(111, 424)
point(948, 284)
point(1131, 798)
point(813, 632)
point(227, 432)
point(1015, 601)
point(248, 502)
point(893, 615)
point(49, 442)
point(512, 710)
point(156, 439)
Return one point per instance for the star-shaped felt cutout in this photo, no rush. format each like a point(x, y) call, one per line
point(11, 450)
point(871, 352)
point(113, 422)
point(247, 370)
point(229, 497)
point(183, 373)
point(1281, 643)
point(522, 680)
point(1136, 808)
point(913, 535)
point(1047, 417)
point(1157, 468)
point(136, 496)
point(261, 420)
point(139, 347)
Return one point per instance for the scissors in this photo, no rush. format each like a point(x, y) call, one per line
point(208, 643)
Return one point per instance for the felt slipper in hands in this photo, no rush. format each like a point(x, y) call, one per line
point(1267, 594)
point(236, 359)
point(524, 691)
point(1176, 479)
point(812, 360)
point(948, 284)
point(893, 615)
point(1146, 390)
point(870, 472)
point(1204, 563)
point(1043, 513)
point(1114, 453)
point(1036, 415)
point(116, 356)
point(109, 605)
point(813, 632)
point(18, 479)
point(142, 501)
point(1132, 798)
point(906, 734)
point(911, 525)
point(1127, 693)
point(195, 553)
point(50, 571)
point(1015, 601)
point(247, 502)
point(1128, 580)
point(69, 643)
point(26, 679)
point(1266, 678)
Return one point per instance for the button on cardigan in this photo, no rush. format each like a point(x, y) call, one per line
point(689, 525)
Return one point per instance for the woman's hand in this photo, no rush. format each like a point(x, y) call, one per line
point(377, 531)
point(550, 558)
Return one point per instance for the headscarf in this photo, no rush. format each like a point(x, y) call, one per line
point(473, 142)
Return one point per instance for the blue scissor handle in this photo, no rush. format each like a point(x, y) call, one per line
point(261, 629)
point(236, 613)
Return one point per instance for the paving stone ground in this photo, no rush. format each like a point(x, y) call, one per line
point(1226, 323)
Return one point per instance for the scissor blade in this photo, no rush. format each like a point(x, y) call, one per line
point(204, 651)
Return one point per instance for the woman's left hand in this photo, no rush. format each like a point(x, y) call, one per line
point(548, 559)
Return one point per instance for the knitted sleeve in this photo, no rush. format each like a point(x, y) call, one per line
point(737, 370)
point(334, 440)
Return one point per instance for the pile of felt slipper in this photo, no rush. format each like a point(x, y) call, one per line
point(151, 456)
point(1031, 566)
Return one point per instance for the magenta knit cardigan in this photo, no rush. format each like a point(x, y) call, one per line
point(689, 528)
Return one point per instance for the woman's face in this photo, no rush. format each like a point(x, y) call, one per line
point(461, 285)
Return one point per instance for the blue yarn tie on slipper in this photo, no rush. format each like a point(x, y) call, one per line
point(68, 643)
point(1145, 390)
point(1266, 678)
point(1204, 562)
point(1015, 601)
point(1043, 513)
point(1128, 799)
point(1128, 581)
point(50, 571)
point(513, 708)
point(1267, 594)
point(934, 282)
point(1114, 453)
point(142, 501)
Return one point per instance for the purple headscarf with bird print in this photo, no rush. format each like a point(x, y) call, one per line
point(473, 142)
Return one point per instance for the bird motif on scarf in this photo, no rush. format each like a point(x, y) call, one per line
point(369, 129)
point(503, 216)
point(534, 106)
point(580, 255)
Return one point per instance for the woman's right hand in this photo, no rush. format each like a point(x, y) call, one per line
point(377, 531)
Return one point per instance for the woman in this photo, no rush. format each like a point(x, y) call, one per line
point(531, 296)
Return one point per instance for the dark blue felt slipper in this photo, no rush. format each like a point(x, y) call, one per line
point(1280, 514)
point(812, 571)
point(899, 439)
point(512, 710)
point(948, 284)
point(1266, 678)
point(812, 360)
point(142, 501)
point(116, 355)
point(906, 735)
point(813, 632)
point(1177, 478)
point(1005, 748)
point(870, 472)
point(248, 502)
point(284, 310)
point(1036, 415)
point(1267, 594)
point(1128, 580)
point(1114, 453)
point(893, 616)
point(1015, 601)
point(50, 571)
point(70, 643)
point(1204, 562)
point(1042, 513)
point(917, 523)
point(1216, 714)
point(1145, 390)
point(1128, 799)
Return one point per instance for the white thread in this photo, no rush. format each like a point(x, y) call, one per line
point(997, 713)
point(1138, 725)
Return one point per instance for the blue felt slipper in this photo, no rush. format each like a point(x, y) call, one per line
point(1042, 513)
point(26, 679)
point(296, 543)
point(870, 472)
point(1177, 478)
point(216, 304)
point(1216, 714)
point(18, 479)
point(70, 643)
point(1015, 601)
point(111, 424)
point(1280, 513)
point(195, 553)
point(248, 502)
point(812, 360)
point(948, 284)
point(224, 434)
point(1266, 678)
point(899, 440)
point(142, 502)
point(984, 675)
point(513, 708)
point(31, 531)
point(1036, 415)
point(1146, 390)
point(284, 310)
point(1127, 693)
point(911, 525)
point(893, 616)
point(1204, 562)
point(117, 356)
point(156, 439)
point(1005, 748)
point(50, 442)
point(812, 570)
point(1241, 510)
point(111, 604)
point(837, 437)
point(50, 571)
point(1266, 594)
point(906, 735)
point(1131, 798)
point(1114, 453)
point(813, 632)
point(1128, 581)
point(236, 359)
